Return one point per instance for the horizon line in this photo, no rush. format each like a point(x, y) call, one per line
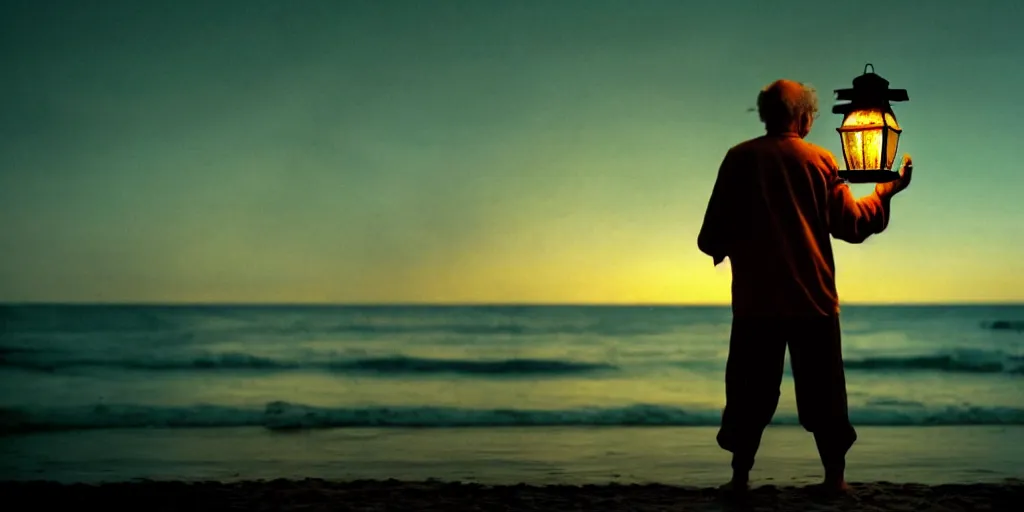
point(481, 304)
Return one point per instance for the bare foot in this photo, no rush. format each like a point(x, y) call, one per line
point(831, 488)
point(735, 486)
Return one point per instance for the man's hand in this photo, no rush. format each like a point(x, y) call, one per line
point(887, 190)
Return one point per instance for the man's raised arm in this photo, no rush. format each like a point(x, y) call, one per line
point(853, 219)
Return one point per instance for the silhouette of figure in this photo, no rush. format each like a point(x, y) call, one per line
point(775, 203)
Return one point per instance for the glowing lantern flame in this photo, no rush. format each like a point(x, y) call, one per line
point(863, 133)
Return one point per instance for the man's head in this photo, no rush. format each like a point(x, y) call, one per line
point(788, 106)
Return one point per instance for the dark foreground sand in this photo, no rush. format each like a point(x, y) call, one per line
point(316, 495)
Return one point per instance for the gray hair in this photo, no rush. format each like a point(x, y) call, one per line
point(782, 101)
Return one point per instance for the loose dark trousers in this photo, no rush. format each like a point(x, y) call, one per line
point(753, 376)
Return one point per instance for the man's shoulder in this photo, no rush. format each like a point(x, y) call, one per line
point(765, 143)
point(815, 150)
point(795, 149)
point(741, 153)
point(747, 145)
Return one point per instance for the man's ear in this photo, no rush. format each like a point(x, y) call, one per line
point(806, 121)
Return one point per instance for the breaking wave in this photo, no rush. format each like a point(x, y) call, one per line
point(288, 416)
point(1005, 325)
point(381, 365)
point(957, 362)
point(978, 362)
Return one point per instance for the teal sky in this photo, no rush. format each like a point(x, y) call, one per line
point(474, 151)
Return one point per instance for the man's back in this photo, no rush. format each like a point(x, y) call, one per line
point(777, 200)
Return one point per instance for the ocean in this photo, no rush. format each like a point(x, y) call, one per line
point(485, 393)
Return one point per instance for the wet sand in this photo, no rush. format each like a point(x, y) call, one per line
point(497, 456)
point(317, 495)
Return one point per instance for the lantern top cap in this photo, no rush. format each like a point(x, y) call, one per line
point(869, 91)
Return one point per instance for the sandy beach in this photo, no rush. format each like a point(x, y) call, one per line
point(315, 495)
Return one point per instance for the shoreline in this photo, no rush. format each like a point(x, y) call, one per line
point(320, 494)
point(535, 456)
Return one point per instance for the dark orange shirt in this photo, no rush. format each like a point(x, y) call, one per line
point(775, 203)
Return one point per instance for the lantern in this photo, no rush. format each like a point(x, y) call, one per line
point(869, 132)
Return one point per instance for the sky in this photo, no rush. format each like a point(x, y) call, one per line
point(475, 151)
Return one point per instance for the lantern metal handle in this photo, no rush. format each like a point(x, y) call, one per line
point(869, 65)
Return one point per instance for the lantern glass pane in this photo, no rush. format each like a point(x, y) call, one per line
point(863, 149)
point(890, 121)
point(890, 147)
point(869, 118)
point(853, 150)
point(862, 133)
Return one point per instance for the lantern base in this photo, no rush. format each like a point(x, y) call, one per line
point(875, 176)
